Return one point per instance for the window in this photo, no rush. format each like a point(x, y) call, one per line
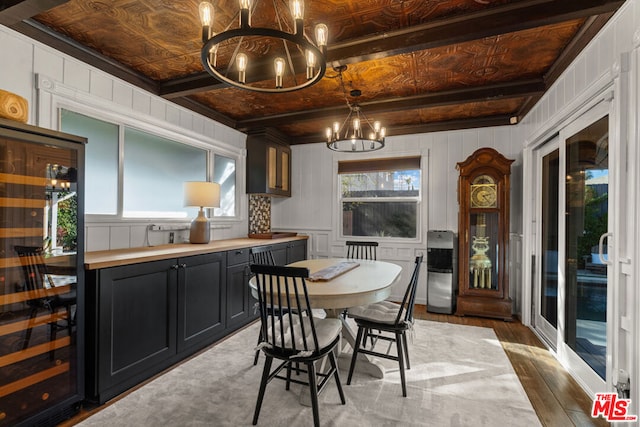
point(101, 161)
point(152, 171)
point(380, 198)
point(224, 173)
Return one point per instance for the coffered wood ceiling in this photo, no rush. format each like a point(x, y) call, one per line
point(422, 65)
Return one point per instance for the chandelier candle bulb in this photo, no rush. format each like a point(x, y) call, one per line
point(279, 65)
point(311, 64)
point(241, 62)
point(206, 18)
point(245, 13)
point(297, 9)
point(297, 12)
point(213, 55)
point(322, 33)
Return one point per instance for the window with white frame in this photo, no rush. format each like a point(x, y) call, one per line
point(150, 166)
point(380, 197)
point(154, 172)
point(224, 173)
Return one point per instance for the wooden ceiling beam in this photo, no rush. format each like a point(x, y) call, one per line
point(494, 21)
point(451, 97)
point(14, 11)
point(508, 18)
point(472, 123)
point(49, 37)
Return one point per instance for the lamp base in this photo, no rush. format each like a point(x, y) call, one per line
point(200, 230)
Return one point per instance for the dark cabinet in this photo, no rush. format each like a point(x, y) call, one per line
point(150, 315)
point(286, 253)
point(239, 300)
point(145, 317)
point(136, 325)
point(296, 251)
point(201, 299)
point(268, 165)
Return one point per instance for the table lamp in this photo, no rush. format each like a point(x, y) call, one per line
point(203, 195)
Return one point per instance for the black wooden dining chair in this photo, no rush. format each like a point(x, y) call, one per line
point(38, 282)
point(361, 250)
point(391, 321)
point(261, 255)
point(292, 335)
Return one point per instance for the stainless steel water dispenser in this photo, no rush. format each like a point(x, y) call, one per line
point(442, 271)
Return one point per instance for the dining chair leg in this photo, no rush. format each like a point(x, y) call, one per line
point(69, 321)
point(288, 376)
point(27, 337)
point(406, 351)
point(313, 390)
point(263, 387)
point(255, 358)
point(336, 376)
point(401, 362)
point(355, 354)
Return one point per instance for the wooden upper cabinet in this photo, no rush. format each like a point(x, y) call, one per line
point(268, 164)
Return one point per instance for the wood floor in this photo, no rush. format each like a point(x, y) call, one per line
point(556, 397)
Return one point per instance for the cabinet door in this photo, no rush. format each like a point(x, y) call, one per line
point(239, 299)
point(137, 324)
point(296, 251)
point(278, 169)
point(201, 297)
point(280, 253)
point(286, 253)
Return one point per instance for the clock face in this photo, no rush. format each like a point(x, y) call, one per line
point(484, 193)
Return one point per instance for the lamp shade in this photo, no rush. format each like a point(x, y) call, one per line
point(202, 194)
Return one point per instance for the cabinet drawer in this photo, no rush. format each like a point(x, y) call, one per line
point(238, 256)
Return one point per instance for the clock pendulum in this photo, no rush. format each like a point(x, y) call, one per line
point(480, 264)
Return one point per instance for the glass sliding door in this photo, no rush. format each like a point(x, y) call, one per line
point(586, 213)
point(548, 169)
point(572, 277)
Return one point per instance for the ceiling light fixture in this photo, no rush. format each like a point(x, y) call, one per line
point(236, 55)
point(357, 133)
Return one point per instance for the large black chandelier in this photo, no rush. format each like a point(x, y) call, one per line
point(356, 133)
point(244, 66)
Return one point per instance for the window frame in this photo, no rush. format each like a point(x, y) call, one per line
point(155, 129)
point(419, 199)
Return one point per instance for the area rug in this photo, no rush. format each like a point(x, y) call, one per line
point(459, 376)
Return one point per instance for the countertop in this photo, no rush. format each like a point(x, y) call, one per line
point(118, 257)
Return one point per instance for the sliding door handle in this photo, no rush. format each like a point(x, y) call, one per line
point(601, 249)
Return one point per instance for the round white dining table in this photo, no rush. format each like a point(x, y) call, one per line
point(369, 282)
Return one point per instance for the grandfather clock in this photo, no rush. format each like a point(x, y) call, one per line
point(483, 235)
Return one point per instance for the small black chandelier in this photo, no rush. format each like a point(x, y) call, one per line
point(241, 69)
point(356, 133)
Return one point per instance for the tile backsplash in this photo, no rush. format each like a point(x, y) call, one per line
point(259, 214)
